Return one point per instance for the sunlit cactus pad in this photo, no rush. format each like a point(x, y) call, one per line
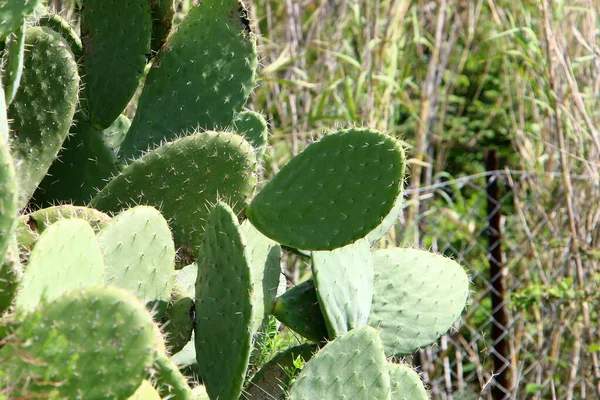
point(406, 383)
point(182, 179)
point(9, 192)
point(417, 297)
point(92, 343)
point(65, 257)
point(333, 193)
point(351, 367)
point(43, 107)
point(12, 14)
point(200, 78)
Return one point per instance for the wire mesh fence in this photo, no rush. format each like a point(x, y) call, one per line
point(530, 329)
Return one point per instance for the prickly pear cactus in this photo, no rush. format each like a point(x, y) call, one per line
point(178, 324)
point(417, 297)
point(112, 73)
point(12, 14)
point(11, 273)
point(298, 308)
point(182, 179)
point(13, 63)
point(89, 343)
point(9, 189)
point(364, 374)
point(65, 257)
point(344, 282)
point(333, 193)
point(59, 25)
point(139, 255)
point(43, 107)
point(224, 305)
point(406, 383)
point(253, 127)
point(200, 78)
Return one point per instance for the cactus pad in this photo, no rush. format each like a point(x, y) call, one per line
point(265, 258)
point(406, 383)
point(9, 190)
point(253, 127)
point(139, 255)
point(90, 343)
point(10, 276)
point(182, 178)
point(115, 134)
point(169, 381)
point(178, 323)
point(59, 25)
point(200, 78)
point(13, 61)
point(344, 282)
point(417, 297)
point(298, 308)
point(112, 73)
point(44, 106)
point(65, 257)
point(12, 14)
point(333, 193)
point(351, 367)
point(224, 309)
point(84, 165)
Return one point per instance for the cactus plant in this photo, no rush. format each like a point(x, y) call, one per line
point(193, 163)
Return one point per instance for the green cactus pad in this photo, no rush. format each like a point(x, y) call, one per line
point(65, 257)
point(91, 343)
point(417, 297)
point(183, 178)
point(199, 393)
point(10, 276)
point(224, 309)
point(84, 166)
point(169, 381)
point(115, 47)
point(298, 308)
point(351, 367)
point(253, 127)
point(272, 380)
point(388, 222)
point(3, 119)
point(43, 108)
point(333, 193)
point(12, 59)
point(145, 392)
point(406, 383)
point(9, 189)
point(59, 25)
point(200, 78)
point(265, 258)
point(115, 134)
point(139, 255)
point(186, 278)
point(162, 12)
point(12, 14)
point(344, 282)
point(178, 324)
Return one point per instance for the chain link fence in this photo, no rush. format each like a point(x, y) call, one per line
point(530, 328)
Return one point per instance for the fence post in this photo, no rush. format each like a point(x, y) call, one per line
point(501, 350)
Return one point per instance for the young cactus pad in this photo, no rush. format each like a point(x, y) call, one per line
point(115, 46)
point(417, 297)
point(224, 305)
point(344, 282)
point(12, 60)
point(351, 367)
point(65, 257)
point(139, 255)
point(200, 78)
point(91, 343)
point(182, 178)
point(253, 127)
point(333, 193)
point(9, 192)
point(298, 308)
point(50, 82)
point(406, 383)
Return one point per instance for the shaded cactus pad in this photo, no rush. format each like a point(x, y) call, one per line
point(333, 193)
point(417, 297)
point(12, 14)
